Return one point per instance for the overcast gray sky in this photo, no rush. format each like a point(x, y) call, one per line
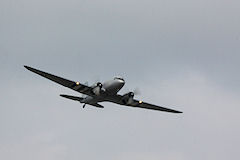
point(181, 54)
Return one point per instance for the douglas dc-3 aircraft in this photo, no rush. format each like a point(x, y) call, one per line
point(100, 92)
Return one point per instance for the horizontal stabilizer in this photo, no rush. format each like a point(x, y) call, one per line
point(80, 99)
point(72, 97)
point(97, 105)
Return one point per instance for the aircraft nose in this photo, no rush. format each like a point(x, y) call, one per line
point(121, 81)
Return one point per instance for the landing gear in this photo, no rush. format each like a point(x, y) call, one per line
point(84, 105)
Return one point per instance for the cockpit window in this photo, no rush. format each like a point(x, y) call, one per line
point(120, 78)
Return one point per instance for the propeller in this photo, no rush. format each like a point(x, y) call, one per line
point(137, 91)
point(96, 79)
point(99, 84)
point(86, 83)
point(128, 97)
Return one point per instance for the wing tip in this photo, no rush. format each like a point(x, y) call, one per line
point(27, 67)
point(178, 112)
point(33, 70)
point(63, 95)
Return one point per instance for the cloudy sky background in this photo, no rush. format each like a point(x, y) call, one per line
point(181, 54)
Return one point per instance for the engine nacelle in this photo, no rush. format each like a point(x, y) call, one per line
point(97, 89)
point(128, 98)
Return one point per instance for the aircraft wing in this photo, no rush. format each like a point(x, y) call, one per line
point(145, 105)
point(141, 104)
point(64, 82)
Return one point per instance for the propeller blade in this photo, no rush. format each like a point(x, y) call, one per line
point(136, 91)
point(86, 83)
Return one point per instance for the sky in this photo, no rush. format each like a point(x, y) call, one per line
point(180, 54)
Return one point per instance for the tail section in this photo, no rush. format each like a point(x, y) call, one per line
point(80, 100)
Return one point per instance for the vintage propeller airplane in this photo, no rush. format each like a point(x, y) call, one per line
point(100, 92)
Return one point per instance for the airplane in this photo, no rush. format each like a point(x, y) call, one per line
point(101, 92)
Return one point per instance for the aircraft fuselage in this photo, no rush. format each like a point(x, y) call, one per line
point(110, 87)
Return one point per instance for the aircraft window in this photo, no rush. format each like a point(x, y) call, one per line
point(119, 78)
